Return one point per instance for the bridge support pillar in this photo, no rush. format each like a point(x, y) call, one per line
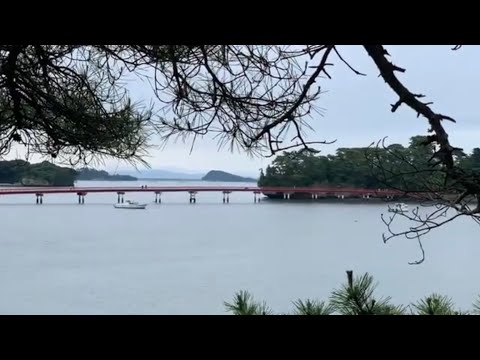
point(193, 199)
point(39, 198)
point(81, 197)
point(120, 197)
point(255, 198)
point(158, 197)
point(226, 197)
point(286, 196)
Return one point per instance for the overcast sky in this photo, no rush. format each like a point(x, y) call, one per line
point(358, 108)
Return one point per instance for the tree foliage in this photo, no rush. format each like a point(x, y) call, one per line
point(393, 166)
point(72, 100)
point(244, 304)
point(312, 307)
point(355, 297)
point(436, 304)
point(66, 100)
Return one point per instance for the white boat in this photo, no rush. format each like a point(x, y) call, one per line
point(130, 205)
point(399, 208)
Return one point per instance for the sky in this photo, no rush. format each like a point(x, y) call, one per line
point(357, 108)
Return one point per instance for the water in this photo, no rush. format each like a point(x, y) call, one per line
point(178, 258)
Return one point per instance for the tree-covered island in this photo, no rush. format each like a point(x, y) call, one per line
point(377, 167)
point(23, 173)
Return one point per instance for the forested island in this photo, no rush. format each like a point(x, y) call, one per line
point(217, 175)
point(22, 173)
point(101, 175)
point(393, 166)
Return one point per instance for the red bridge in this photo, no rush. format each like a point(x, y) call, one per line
point(285, 192)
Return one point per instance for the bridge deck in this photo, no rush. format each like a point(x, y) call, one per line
point(264, 190)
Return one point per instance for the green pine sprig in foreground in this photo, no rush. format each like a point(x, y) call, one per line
point(355, 297)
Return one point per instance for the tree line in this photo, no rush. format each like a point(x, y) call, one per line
point(371, 167)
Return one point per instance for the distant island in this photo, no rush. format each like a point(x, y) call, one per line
point(86, 174)
point(22, 173)
point(178, 174)
point(217, 175)
point(163, 174)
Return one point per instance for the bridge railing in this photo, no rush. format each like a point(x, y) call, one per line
point(265, 189)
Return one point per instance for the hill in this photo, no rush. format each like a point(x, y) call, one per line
point(217, 175)
point(100, 175)
point(163, 174)
point(20, 172)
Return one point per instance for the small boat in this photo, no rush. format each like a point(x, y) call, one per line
point(398, 208)
point(130, 205)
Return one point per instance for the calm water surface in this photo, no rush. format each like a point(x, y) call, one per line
point(178, 258)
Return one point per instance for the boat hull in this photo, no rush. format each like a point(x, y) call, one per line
point(397, 211)
point(130, 207)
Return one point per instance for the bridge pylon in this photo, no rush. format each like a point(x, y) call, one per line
point(39, 198)
point(81, 197)
point(120, 195)
point(226, 197)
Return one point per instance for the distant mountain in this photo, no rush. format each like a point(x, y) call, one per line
point(163, 174)
point(172, 173)
point(98, 175)
point(217, 175)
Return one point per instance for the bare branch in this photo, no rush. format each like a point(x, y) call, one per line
point(346, 63)
point(454, 180)
point(422, 259)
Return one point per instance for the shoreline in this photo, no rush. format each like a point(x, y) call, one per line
point(332, 200)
